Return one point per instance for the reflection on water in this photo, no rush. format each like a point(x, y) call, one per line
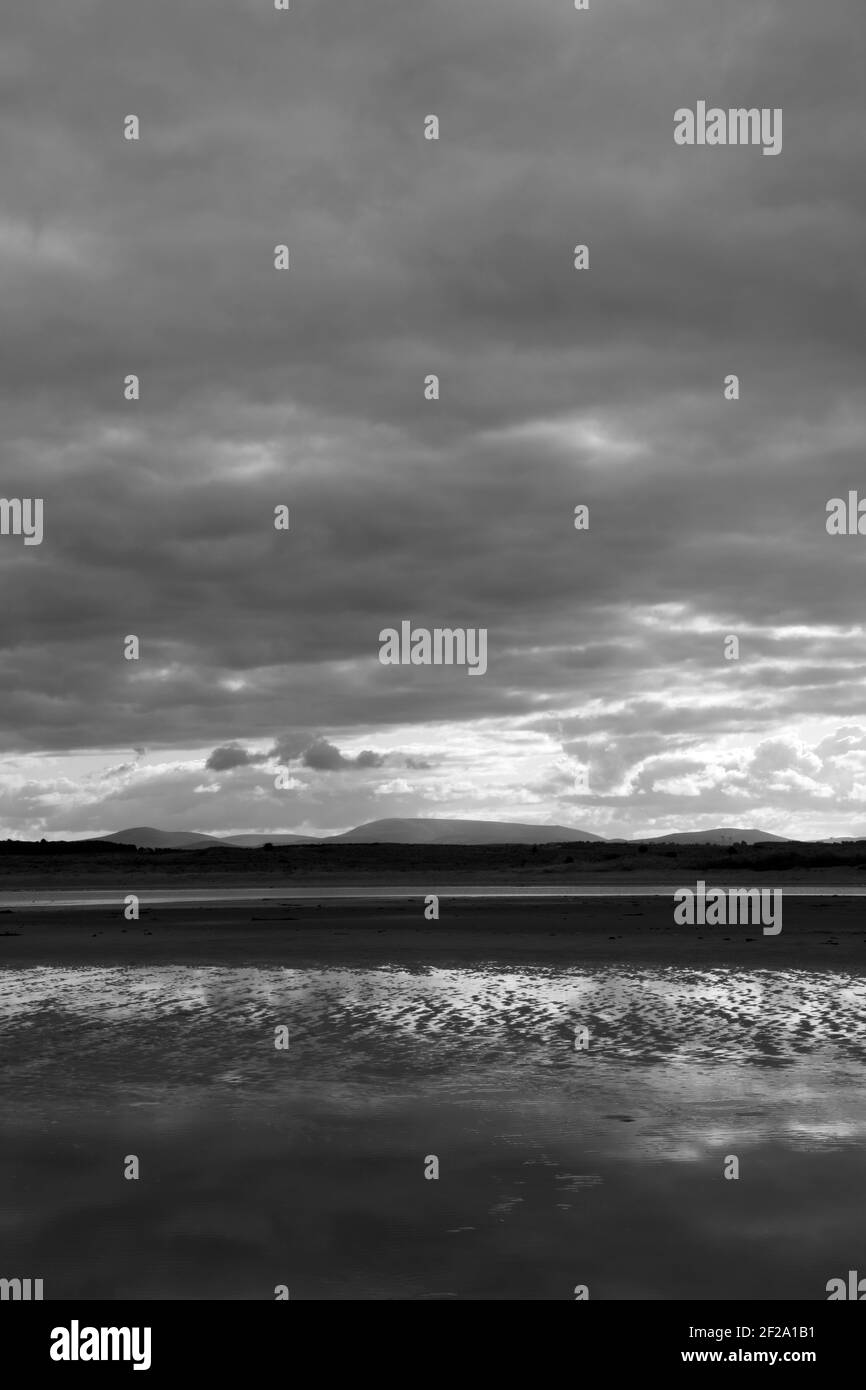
point(557, 1166)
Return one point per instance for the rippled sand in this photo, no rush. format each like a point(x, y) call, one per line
point(558, 1166)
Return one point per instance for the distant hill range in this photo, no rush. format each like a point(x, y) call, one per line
point(434, 831)
point(418, 831)
point(716, 837)
point(256, 841)
point(145, 837)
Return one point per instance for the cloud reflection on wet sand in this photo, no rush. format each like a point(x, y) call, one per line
point(558, 1166)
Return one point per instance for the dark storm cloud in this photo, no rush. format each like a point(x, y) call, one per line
point(323, 756)
point(411, 257)
point(231, 756)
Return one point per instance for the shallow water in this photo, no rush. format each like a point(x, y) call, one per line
point(557, 1166)
point(18, 898)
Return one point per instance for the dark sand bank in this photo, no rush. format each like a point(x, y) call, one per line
point(816, 932)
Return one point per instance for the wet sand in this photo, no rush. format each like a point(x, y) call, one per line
point(830, 932)
point(601, 1164)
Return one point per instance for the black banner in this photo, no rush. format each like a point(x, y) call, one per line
point(221, 1339)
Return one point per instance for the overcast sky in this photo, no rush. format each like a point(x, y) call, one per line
point(259, 649)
